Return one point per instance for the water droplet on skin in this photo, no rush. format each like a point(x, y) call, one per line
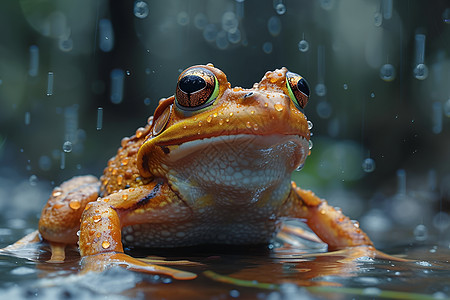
point(106, 244)
point(96, 219)
point(310, 125)
point(56, 192)
point(67, 146)
point(74, 204)
point(140, 9)
point(221, 122)
point(209, 119)
point(303, 46)
point(368, 165)
point(310, 144)
point(278, 106)
point(255, 127)
point(248, 125)
point(124, 197)
point(299, 168)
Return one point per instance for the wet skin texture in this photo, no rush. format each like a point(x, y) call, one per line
point(212, 165)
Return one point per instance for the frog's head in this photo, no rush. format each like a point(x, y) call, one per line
point(210, 134)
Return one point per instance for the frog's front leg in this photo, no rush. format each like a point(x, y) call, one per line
point(100, 240)
point(330, 225)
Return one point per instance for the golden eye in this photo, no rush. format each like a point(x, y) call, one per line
point(197, 88)
point(298, 89)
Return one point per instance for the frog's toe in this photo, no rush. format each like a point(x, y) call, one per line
point(100, 262)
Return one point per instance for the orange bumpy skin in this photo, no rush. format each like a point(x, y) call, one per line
point(213, 165)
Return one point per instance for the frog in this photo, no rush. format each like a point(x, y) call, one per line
point(213, 165)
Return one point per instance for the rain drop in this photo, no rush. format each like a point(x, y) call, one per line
point(447, 108)
point(267, 47)
point(274, 25)
point(50, 84)
point(34, 61)
point(33, 180)
point(222, 40)
point(210, 32)
point(372, 95)
point(117, 83)
point(303, 46)
point(200, 21)
point(99, 118)
point(345, 86)
point(147, 101)
point(280, 9)
point(321, 89)
point(437, 117)
point(235, 36)
point(387, 72)
point(27, 118)
point(106, 35)
point(67, 146)
point(387, 9)
point(378, 19)
point(421, 71)
point(62, 164)
point(45, 163)
point(65, 45)
point(327, 4)
point(368, 165)
point(421, 233)
point(183, 18)
point(324, 109)
point(140, 9)
point(446, 15)
point(229, 21)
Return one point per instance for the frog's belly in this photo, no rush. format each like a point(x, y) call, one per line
point(180, 235)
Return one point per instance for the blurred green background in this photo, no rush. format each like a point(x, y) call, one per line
point(379, 72)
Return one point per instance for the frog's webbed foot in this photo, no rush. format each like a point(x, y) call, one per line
point(100, 262)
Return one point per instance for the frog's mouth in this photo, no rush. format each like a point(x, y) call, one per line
point(231, 158)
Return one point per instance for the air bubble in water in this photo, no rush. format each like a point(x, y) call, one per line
point(274, 25)
point(267, 47)
point(368, 165)
point(140, 9)
point(303, 46)
point(67, 146)
point(387, 72)
point(280, 8)
point(421, 233)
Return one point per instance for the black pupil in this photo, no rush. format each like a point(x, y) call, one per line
point(303, 87)
point(191, 84)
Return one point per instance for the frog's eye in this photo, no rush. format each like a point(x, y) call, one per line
point(197, 88)
point(298, 89)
